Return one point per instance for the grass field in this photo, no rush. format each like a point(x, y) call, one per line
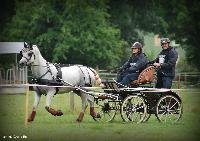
point(49, 128)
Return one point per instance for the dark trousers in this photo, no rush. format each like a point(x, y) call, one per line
point(164, 82)
point(125, 78)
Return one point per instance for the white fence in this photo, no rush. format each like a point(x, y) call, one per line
point(10, 77)
point(13, 76)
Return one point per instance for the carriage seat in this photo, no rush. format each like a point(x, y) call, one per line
point(146, 76)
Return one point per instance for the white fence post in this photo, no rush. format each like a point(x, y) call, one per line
point(23, 75)
point(10, 76)
point(2, 75)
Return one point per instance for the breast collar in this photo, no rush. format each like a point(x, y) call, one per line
point(48, 71)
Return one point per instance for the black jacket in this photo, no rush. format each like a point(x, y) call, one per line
point(168, 62)
point(135, 63)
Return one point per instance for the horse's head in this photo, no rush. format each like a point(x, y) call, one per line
point(27, 55)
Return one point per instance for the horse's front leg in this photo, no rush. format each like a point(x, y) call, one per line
point(49, 97)
point(84, 106)
point(35, 105)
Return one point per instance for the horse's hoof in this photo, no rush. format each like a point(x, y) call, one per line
point(32, 116)
point(59, 113)
point(78, 120)
point(29, 120)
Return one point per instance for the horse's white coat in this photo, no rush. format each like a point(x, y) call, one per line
point(72, 74)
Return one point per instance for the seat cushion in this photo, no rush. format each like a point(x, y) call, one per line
point(147, 75)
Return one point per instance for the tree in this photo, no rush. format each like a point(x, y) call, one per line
point(101, 32)
point(178, 20)
point(183, 19)
point(76, 32)
point(88, 36)
point(135, 19)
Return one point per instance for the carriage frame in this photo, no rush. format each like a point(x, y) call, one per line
point(139, 101)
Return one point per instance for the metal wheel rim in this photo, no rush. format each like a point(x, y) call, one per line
point(146, 117)
point(168, 109)
point(135, 112)
point(106, 115)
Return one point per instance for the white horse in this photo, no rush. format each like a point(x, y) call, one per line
point(47, 72)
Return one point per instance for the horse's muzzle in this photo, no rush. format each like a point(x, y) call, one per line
point(22, 64)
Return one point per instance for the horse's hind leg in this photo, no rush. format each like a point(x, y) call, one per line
point(35, 105)
point(92, 112)
point(49, 97)
point(84, 106)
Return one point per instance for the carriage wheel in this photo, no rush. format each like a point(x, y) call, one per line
point(169, 109)
point(106, 110)
point(133, 109)
point(148, 114)
point(146, 117)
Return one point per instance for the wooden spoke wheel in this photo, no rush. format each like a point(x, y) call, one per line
point(106, 110)
point(169, 109)
point(133, 109)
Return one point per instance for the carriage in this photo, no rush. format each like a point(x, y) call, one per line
point(139, 101)
point(136, 103)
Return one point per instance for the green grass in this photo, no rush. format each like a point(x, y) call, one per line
point(49, 128)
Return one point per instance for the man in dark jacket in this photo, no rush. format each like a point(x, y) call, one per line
point(166, 62)
point(136, 63)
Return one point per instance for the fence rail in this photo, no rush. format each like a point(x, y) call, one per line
point(181, 80)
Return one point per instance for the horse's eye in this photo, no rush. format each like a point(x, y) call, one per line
point(20, 53)
point(30, 54)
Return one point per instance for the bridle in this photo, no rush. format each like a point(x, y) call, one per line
point(30, 54)
point(27, 59)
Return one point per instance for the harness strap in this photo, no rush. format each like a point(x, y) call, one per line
point(90, 83)
point(89, 76)
point(95, 74)
point(26, 58)
point(49, 70)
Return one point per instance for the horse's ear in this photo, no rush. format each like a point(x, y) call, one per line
point(20, 53)
point(26, 45)
point(30, 45)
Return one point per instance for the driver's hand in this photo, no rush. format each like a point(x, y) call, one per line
point(157, 65)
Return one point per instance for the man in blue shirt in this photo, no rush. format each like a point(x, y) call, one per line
point(165, 63)
point(132, 68)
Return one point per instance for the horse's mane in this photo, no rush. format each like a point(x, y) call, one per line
point(37, 52)
point(36, 49)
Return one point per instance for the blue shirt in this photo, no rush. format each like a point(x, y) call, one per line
point(167, 58)
point(136, 63)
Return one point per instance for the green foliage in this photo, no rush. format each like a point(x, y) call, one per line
point(89, 37)
point(183, 20)
point(75, 32)
point(178, 20)
point(6, 60)
point(100, 33)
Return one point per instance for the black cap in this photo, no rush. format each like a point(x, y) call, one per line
point(137, 45)
point(164, 40)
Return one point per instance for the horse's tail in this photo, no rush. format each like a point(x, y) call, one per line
point(97, 81)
